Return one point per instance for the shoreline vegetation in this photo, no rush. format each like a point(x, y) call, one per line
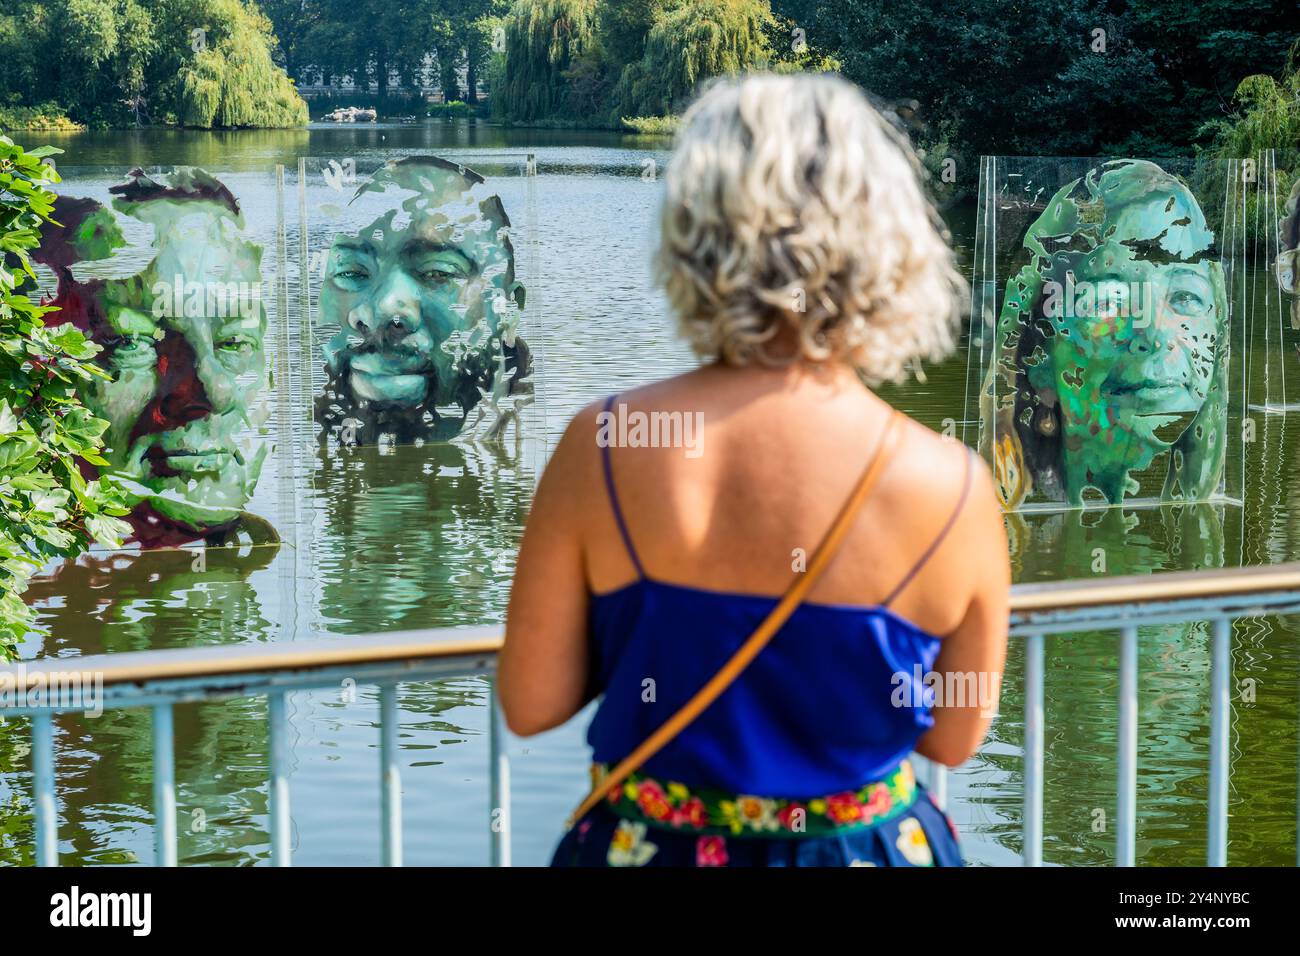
point(1099, 79)
point(46, 117)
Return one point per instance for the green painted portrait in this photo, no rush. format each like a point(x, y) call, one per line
point(1112, 347)
point(182, 346)
point(425, 305)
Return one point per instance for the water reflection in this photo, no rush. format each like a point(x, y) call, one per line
point(110, 602)
point(410, 534)
point(396, 537)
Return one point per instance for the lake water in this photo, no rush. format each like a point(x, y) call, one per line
point(405, 537)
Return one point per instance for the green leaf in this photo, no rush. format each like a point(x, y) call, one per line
point(54, 535)
point(109, 532)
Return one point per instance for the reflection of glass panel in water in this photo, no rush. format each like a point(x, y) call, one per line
point(159, 271)
point(1109, 378)
point(419, 302)
point(409, 536)
point(1274, 221)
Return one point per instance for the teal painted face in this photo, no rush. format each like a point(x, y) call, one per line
point(183, 343)
point(422, 294)
point(1129, 302)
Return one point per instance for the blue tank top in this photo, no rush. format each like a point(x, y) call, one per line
point(836, 699)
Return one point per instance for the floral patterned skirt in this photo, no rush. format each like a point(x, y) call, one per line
point(889, 822)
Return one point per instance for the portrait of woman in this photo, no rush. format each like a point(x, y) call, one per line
point(1112, 347)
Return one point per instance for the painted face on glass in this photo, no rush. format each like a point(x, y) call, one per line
point(183, 350)
point(424, 298)
point(1117, 326)
point(1287, 266)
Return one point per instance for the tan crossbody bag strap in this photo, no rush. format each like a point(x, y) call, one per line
point(746, 653)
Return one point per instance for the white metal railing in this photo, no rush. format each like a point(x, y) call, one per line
point(162, 679)
point(1123, 605)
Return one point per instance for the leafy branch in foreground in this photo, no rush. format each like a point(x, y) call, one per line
point(48, 508)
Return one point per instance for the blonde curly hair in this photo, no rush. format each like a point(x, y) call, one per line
point(790, 201)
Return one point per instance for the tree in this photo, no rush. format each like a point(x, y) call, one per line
point(47, 508)
point(294, 22)
point(231, 79)
point(689, 43)
point(109, 62)
point(366, 40)
point(1266, 116)
point(1087, 77)
point(544, 39)
point(624, 26)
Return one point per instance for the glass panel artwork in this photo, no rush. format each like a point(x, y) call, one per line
point(1106, 305)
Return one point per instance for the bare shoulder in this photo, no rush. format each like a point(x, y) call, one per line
point(939, 504)
point(573, 467)
point(932, 467)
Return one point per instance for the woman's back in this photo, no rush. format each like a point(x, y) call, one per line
point(777, 454)
point(698, 541)
point(804, 265)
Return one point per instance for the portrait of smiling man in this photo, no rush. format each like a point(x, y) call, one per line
point(182, 348)
point(425, 304)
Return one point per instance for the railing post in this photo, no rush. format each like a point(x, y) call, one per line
point(939, 784)
point(390, 775)
point(47, 811)
point(1126, 836)
point(1220, 710)
point(164, 786)
point(499, 771)
point(279, 782)
point(1032, 824)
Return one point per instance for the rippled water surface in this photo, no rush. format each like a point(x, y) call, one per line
point(406, 537)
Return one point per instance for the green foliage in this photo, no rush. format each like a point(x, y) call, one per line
point(456, 109)
point(1037, 79)
point(41, 116)
point(119, 62)
point(545, 39)
point(47, 508)
point(624, 26)
point(379, 41)
point(689, 43)
point(651, 125)
point(231, 80)
point(1266, 116)
point(599, 61)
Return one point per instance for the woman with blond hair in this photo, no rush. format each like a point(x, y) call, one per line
point(762, 610)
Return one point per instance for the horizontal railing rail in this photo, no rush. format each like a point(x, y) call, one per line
point(162, 679)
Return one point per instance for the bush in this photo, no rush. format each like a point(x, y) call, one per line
point(43, 116)
point(454, 109)
point(652, 125)
point(48, 508)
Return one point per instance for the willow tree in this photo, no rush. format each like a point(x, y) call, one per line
point(1267, 116)
point(231, 79)
point(544, 40)
point(689, 43)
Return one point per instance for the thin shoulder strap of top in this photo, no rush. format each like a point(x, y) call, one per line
point(939, 538)
point(613, 499)
point(755, 643)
